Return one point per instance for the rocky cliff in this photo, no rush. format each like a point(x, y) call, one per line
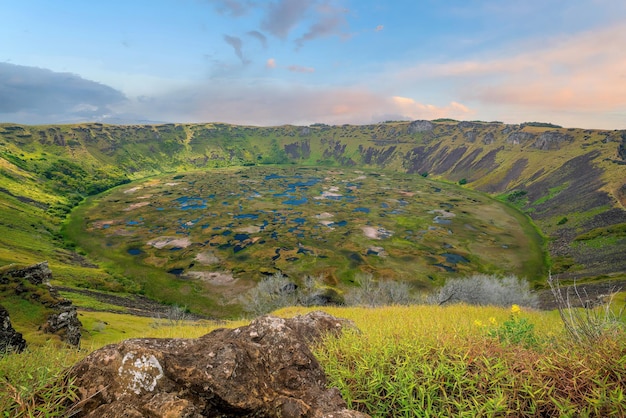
point(32, 285)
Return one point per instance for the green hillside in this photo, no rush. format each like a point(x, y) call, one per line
point(570, 182)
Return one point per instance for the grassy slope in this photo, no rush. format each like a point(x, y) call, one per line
point(577, 174)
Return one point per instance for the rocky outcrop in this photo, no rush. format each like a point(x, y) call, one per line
point(33, 284)
point(519, 137)
point(10, 339)
point(37, 274)
point(420, 126)
point(65, 323)
point(551, 140)
point(264, 369)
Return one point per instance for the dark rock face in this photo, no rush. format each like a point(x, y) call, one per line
point(10, 340)
point(65, 323)
point(62, 319)
point(264, 369)
point(37, 274)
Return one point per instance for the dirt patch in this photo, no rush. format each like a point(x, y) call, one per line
point(207, 258)
point(163, 242)
point(103, 224)
point(213, 277)
point(136, 205)
point(252, 229)
point(376, 233)
point(442, 213)
point(324, 215)
point(133, 189)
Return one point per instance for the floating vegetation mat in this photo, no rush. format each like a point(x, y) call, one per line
point(244, 223)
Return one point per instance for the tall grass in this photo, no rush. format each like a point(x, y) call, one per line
point(34, 384)
point(466, 361)
point(403, 361)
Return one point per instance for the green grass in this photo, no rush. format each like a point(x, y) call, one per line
point(425, 361)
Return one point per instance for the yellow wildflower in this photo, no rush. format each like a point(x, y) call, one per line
point(515, 309)
point(493, 321)
point(478, 323)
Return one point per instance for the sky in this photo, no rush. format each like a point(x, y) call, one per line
point(300, 62)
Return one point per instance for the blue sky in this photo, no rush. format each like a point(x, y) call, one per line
point(313, 61)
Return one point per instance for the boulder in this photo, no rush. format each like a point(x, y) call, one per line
point(65, 323)
point(10, 339)
point(37, 274)
point(32, 283)
point(265, 369)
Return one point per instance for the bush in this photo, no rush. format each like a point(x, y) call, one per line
point(482, 289)
point(379, 292)
point(589, 324)
point(273, 292)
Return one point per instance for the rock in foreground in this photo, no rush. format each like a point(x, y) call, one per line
point(264, 369)
point(10, 339)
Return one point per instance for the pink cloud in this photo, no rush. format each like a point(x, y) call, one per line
point(581, 72)
point(270, 63)
point(272, 104)
point(415, 110)
point(300, 69)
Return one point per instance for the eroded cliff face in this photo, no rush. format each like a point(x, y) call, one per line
point(32, 283)
point(265, 369)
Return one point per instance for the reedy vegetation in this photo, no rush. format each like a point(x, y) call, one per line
point(417, 360)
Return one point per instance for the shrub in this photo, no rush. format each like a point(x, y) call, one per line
point(273, 292)
point(589, 324)
point(481, 289)
point(379, 292)
point(515, 330)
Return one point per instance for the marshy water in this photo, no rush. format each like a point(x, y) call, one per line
point(317, 221)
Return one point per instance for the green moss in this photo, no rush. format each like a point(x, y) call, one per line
point(614, 231)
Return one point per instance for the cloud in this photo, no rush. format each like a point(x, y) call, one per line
point(270, 63)
point(232, 7)
point(237, 44)
point(415, 110)
point(267, 103)
point(259, 36)
point(300, 69)
point(586, 71)
point(325, 27)
point(36, 95)
point(329, 22)
point(283, 15)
